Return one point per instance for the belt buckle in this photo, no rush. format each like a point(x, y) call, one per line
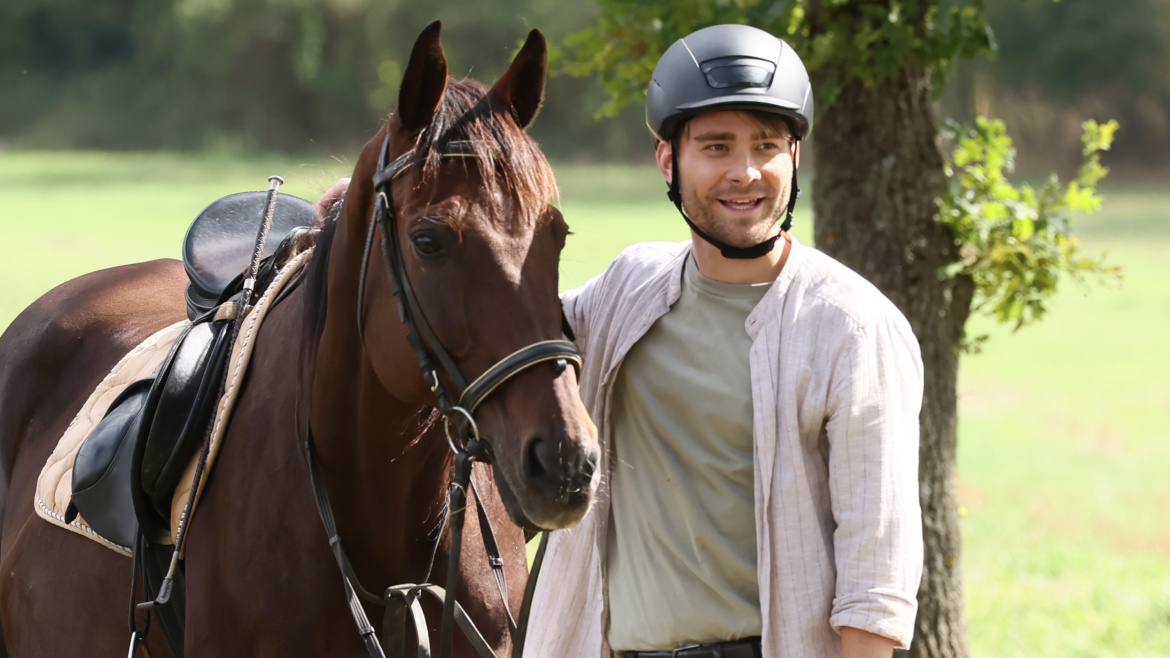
point(675, 652)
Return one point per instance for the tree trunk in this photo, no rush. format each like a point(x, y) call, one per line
point(878, 181)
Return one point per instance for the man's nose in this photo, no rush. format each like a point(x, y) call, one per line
point(744, 170)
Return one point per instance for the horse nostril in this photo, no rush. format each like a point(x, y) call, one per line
point(549, 469)
point(586, 465)
point(535, 468)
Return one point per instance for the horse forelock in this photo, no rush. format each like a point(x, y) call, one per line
point(508, 162)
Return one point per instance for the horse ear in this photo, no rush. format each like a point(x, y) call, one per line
point(521, 88)
point(424, 82)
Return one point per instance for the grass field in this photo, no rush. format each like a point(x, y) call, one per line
point(1064, 427)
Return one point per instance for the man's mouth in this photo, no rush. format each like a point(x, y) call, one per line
point(742, 204)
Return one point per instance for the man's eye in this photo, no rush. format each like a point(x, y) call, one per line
point(715, 147)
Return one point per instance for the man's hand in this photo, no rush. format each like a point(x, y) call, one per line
point(331, 196)
point(857, 643)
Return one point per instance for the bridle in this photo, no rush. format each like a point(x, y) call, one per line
point(457, 406)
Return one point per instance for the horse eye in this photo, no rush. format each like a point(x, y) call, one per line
point(426, 245)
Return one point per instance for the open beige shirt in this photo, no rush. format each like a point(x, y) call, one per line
point(836, 390)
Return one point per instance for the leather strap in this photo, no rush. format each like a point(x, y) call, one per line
point(514, 364)
point(745, 648)
point(521, 634)
point(397, 599)
point(493, 552)
point(353, 589)
point(413, 595)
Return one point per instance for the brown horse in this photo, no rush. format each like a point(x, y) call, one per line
point(480, 246)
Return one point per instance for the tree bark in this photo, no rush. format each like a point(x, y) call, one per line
point(878, 181)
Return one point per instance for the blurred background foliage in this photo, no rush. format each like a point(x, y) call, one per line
point(316, 76)
point(292, 76)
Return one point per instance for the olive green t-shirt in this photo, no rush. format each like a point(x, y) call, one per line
point(682, 547)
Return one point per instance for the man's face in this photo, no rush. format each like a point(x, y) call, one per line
point(736, 175)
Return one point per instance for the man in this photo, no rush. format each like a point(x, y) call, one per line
point(758, 404)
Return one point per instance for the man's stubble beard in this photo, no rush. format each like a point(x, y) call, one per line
point(705, 216)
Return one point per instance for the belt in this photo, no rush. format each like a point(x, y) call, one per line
point(745, 648)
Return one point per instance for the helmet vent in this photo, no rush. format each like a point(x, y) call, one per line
point(738, 72)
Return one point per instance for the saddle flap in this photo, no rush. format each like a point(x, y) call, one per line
point(101, 471)
point(178, 414)
point(219, 243)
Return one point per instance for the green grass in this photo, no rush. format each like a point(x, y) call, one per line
point(1064, 427)
point(1064, 442)
point(65, 214)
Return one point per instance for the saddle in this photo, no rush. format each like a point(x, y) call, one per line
point(219, 243)
point(127, 469)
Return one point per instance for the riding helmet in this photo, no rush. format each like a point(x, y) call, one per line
point(728, 67)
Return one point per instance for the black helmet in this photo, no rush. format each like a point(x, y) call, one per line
point(728, 67)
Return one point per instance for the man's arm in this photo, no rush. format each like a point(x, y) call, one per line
point(872, 431)
point(857, 643)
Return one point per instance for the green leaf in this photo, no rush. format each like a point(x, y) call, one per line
point(1023, 228)
point(1014, 240)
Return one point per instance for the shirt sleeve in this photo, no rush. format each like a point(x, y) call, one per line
point(873, 434)
point(576, 304)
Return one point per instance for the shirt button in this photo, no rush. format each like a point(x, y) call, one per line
point(674, 290)
point(645, 320)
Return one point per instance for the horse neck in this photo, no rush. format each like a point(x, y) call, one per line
point(384, 461)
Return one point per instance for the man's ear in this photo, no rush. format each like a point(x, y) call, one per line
point(796, 155)
point(663, 155)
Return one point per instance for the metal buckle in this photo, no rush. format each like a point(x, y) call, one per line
point(447, 427)
point(135, 643)
point(434, 383)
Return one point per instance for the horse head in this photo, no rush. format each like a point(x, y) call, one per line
point(469, 196)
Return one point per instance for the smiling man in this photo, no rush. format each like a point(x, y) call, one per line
point(758, 403)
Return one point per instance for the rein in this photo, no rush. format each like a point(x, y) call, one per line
point(462, 434)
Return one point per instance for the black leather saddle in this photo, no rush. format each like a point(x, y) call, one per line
point(219, 243)
point(128, 467)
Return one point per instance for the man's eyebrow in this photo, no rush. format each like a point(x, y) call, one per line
point(730, 137)
point(715, 137)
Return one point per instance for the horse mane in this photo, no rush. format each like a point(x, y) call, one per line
point(315, 288)
point(508, 161)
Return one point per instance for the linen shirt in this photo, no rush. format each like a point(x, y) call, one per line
point(836, 380)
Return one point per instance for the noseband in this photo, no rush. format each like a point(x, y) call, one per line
point(459, 424)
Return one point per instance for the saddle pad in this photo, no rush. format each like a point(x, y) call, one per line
point(54, 486)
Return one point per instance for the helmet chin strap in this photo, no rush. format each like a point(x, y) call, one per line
point(728, 251)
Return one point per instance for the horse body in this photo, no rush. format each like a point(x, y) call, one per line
point(481, 252)
point(55, 353)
